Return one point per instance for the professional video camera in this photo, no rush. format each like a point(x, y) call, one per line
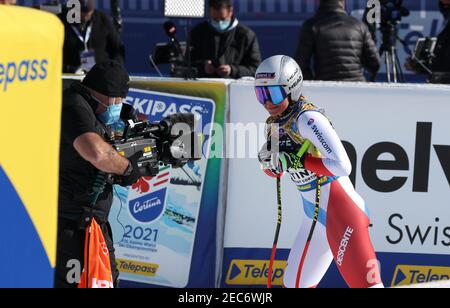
point(175, 53)
point(392, 12)
point(171, 141)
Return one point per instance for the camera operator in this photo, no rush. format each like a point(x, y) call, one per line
point(89, 109)
point(441, 61)
point(222, 47)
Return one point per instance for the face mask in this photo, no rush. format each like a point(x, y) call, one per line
point(220, 26)
point(111, 115)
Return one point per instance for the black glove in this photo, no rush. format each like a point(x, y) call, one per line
point(278, 163)
point(293, 161)
point(132, 174)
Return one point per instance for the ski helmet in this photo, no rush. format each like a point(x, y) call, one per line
point(278, 77)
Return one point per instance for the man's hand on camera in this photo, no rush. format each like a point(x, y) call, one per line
point(224, 71)
point(411, 66)
point(132, 173)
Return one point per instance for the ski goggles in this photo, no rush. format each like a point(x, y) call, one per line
point(275, 94)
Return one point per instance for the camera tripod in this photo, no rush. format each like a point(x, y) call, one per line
point(394, 71)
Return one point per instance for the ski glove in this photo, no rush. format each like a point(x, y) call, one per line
point(275, 164)
point(132, 174)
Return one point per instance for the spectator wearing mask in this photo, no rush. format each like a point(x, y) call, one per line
point(92, 41)
point(335, 46)
point(223, 47)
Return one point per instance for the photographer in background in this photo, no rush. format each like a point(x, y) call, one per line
point(335, 46)
point(222, 47)
point(92, 41)
point(89, 108)
point(440, 64)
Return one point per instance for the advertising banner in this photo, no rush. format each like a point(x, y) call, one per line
point(30, 97)
point(165, 227)
point(397, 138)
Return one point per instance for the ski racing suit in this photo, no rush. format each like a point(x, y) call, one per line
point(342, 228)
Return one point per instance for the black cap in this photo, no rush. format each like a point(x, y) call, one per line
point(218, 4)
point(109, 78)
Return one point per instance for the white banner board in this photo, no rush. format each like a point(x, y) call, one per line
point(398, 138)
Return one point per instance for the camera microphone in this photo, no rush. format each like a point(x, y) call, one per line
point(171, 29)
point(175, 53)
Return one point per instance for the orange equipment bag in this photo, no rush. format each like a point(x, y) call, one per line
point(97, 267)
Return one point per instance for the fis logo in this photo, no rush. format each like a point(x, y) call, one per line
point(147, 197)
point(254, 273)
point(410, 274)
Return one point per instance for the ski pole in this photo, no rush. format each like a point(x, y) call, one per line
point(311, 232)
point(319, 182)
point(300, 153)
point(277, 233)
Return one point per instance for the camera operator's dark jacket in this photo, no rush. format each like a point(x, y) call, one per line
point(104, 40)
point(335, 46)
point(442, 61)
point(76, 175)
point(238, 48)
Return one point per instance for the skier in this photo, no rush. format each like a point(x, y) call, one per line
point(321, 176)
